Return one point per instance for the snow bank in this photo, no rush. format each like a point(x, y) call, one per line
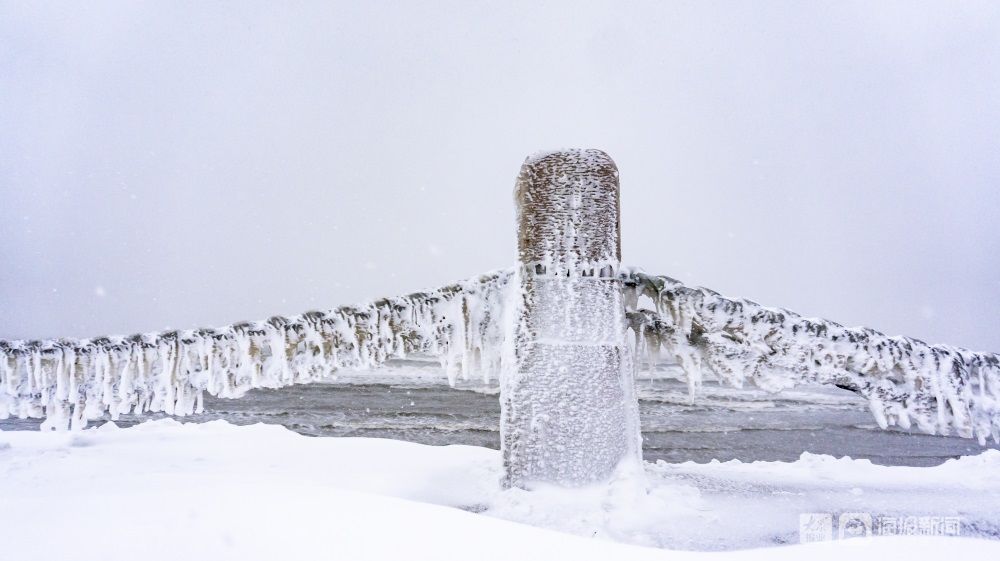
point(164, 490)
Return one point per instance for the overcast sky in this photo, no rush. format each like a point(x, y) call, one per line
point(191, 164)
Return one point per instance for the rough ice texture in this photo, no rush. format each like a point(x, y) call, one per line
point(907, 382)
point(568, 408)
point(70, 381)
point(567, 211)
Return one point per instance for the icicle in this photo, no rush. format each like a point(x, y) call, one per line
point(936, 387)
point(71, 382)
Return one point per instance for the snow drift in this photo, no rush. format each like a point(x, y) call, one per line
point(164, 490)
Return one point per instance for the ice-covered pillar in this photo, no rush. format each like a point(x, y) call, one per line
point(569, 411)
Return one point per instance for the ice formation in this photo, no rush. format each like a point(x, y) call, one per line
point(939, 389)
point(569, 413)
point(556, 329)
point(907, 382)
point(70, 381)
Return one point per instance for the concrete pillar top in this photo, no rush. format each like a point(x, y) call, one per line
point(568, 215)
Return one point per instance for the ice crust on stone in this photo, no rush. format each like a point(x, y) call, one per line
point(907, 382)
point(73, 381)
point(569, 413)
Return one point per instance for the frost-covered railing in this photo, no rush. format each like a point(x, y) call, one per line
point(938, 388)
point(906, 381)
point(71, 381)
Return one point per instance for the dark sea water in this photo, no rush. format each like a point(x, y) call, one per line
point(720, 423)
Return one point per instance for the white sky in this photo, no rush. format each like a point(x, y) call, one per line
point(190, 164)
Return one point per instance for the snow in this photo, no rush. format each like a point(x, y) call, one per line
point(165, 490)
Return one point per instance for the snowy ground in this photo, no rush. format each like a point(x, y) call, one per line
point(165, 490)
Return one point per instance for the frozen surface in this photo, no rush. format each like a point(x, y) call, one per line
point(163, 490)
